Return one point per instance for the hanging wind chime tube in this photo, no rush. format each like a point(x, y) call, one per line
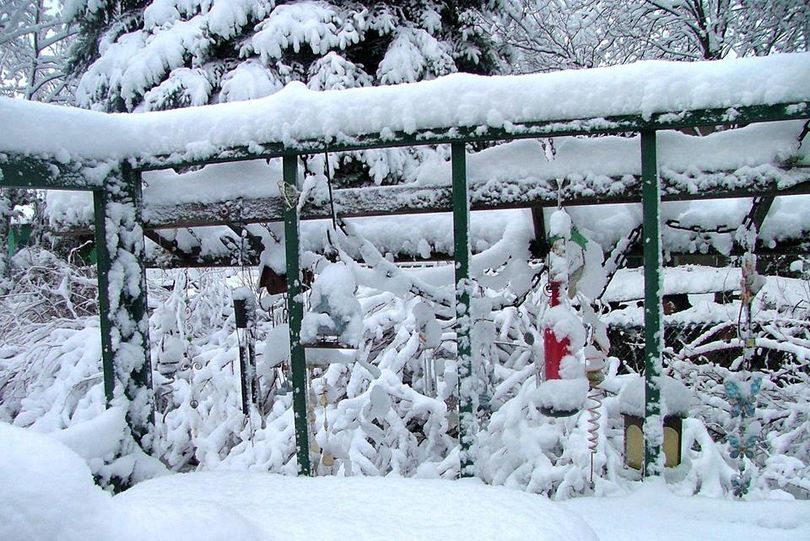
point(244, 305)
point(560, 395)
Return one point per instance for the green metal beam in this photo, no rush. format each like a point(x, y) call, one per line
point(474, 134)
point(6, 250)
point(19, 171)
point(467, 388)
point(653, 312)
point(296, 313)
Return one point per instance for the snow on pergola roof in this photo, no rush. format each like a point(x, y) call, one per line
point(299, 119)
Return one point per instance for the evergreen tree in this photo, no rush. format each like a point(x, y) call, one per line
point(174, 53)
point(165, 54)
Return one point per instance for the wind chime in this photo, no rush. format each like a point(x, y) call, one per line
point(244, 309)
point(743, 389)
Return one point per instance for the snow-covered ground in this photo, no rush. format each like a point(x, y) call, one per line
point(651, 511)
point(48, 493)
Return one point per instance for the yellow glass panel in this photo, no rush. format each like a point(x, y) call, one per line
point(671, 447)
point(634, 447)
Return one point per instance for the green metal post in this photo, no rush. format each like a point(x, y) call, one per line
point(467, 390)
point(123, 316)
point(653, 313)
point(103, 266)
point(296, 313)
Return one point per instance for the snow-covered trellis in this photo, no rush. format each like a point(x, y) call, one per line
point(107, 154)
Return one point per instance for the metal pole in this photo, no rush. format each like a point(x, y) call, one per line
point(123, 315)
point(467, 389)
point(103, 270)
point(296, 313)
point(653, 313)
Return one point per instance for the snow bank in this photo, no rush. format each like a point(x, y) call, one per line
point(334, 508)
point(459, 100)
point(96, 438)
point(48, 492)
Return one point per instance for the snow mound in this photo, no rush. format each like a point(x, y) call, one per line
point(334, 508)
point(48, 491)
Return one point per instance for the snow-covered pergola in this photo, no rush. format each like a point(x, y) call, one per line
point(43, 146)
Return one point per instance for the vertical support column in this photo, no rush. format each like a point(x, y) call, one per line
point(123, 316)
point(296, 312)
point(6, 205)
point(103, 265)
point(467, 390)
point(653, 312)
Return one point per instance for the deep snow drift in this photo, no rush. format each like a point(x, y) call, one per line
point(48, 493)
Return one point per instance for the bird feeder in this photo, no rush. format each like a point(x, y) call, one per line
point(559, 397)
point(675, 400)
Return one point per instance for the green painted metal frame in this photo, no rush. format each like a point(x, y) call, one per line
point(653, 312)
point(35, 172)
point(295, 306)
point(20, 171)
point(467, 389)
point(103, 265)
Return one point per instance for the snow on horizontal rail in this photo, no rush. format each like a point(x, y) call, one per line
point(580, 101)
point(760, 158)
point(388, 200)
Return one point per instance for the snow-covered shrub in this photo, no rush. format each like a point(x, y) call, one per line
point(389, 406)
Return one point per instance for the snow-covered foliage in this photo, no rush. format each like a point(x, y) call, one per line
point(548, 35)
point(389, 406)
point(174, 54)
point(33, 43)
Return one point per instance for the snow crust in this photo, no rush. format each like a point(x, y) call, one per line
point(653, 511)
point(458, 100)
point(48, 493)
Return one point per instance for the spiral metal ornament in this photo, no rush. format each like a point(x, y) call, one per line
point(594, 415)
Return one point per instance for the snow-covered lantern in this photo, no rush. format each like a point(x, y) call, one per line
point(675, 401)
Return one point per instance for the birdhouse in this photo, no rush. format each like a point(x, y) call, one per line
point(675, 398)
point(634, 440)
point(273, 282)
